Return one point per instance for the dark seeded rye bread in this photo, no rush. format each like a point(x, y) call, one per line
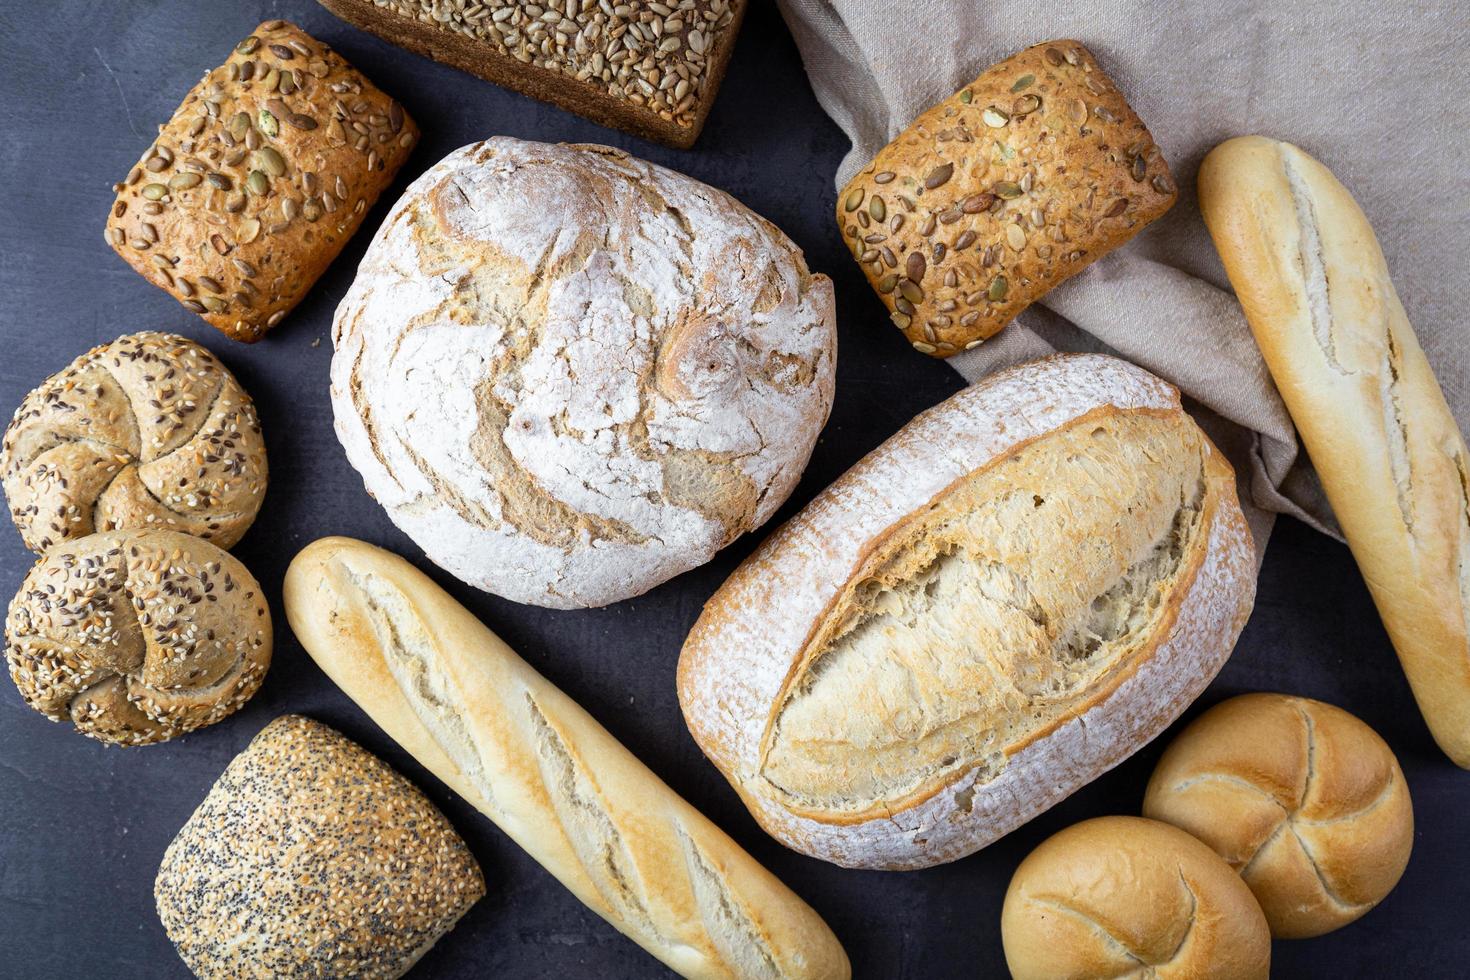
point(267, 167)
point(1000, 192)
point(648, 68)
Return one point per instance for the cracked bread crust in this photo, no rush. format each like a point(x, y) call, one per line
point(1072, 632)
point(570, 375)
point(1124, 896)
point(149, 431)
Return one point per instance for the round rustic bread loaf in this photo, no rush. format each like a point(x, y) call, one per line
point(310, 858)
point(1303, 799)
point(149, 431)
point(138, 636)
point(570, 375)
point(1124, 896)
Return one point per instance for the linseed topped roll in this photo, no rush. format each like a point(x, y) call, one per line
point(138, 636)
point(149, 431)
point(311, 858)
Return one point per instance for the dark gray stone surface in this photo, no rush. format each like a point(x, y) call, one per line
point(82, 826)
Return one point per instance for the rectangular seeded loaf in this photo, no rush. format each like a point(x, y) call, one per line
point(995, 195)
point(648, 68)
point(1003, 601)
point(265, 170)
point(528, 757)
point(1315, 287)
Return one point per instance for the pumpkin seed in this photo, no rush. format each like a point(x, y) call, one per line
point(1023, 82)
point(966, 239)
point(268, 123)
point(903, 303)
point(914, 266)
point(1077, 110)
point(965, 96)
point(883, 177)
point(887, 283)
point(1015, 237)
point(183, 181)
point(258, 183)
point(976, 203)
point(939, 176)
point(854, 199)
point(213, 304)
point(997, 290)
point(1025, 105)
point(1007, 190)
point(282, 52)
point(900, 320)
point(156, 164)
point(238, 125)
point(220, 245)
point(267, 158)
point(994, 118)
point(219, 181)
point(1053, 57)
point(155, 192)
point(876, 208)
point(910, 291)
point(247, 231)
point(248, 45)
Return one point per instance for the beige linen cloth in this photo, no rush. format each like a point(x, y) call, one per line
point(1379, 93)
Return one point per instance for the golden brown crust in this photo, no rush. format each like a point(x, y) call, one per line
point(591, 67)
point(265, 170)
point(149, 431)
point(1316, 291)
point(310, 858)
point(1300, 797)
point(1124, 896)
point(995, 195)
point(518, 749)
point(138, 637)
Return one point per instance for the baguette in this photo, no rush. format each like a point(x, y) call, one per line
point(1315, 287)
point(1003, 601)
point(461, 702)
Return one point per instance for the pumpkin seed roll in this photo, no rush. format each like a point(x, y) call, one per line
point(258, 180)
point(646, 67)
point(1000, 192)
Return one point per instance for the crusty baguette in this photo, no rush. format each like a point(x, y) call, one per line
point(1315, 287)
point(461, 702)
point(1006, 599)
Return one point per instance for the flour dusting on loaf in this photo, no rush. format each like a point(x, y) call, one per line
point(1004, 600)
point(570, 375)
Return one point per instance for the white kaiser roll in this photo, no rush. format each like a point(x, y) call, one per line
point(570, 375)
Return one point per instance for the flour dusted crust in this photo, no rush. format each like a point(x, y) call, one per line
point(739, 660)
point(570, 375)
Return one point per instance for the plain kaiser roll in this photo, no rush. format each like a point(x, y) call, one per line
point(1315, 288)
point(570, 375)
point(1009, 597)
point(1300, 797)
point(1125, 896)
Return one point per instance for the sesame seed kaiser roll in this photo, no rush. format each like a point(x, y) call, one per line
point(1300, 797)
point(138, 636)
point(149, 431)
point(311, 858)
point(1124, 896)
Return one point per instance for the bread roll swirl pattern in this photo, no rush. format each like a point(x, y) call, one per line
point(530, 759)
point(1300, 797)
point(149, 431)
point(569, 374)
point(138, 636)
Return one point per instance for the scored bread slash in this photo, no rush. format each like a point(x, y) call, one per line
point(267, 167)
point(1000, 192)
point(649, 68)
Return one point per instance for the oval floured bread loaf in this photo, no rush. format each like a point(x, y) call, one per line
point(1001, 602)
point(149, 431)
point(138, 637)
point(570, 375)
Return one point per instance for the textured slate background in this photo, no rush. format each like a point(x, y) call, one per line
point(82, 826)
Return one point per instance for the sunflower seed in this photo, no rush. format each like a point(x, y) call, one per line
point(900, 320)
point(395, 116)
point(1072, 57)
point(248, 45)
point(1101, 112)
point(211, 284)
point(193, 305)
point(1025, 105)
point(1053, 57)
point(1116, 208)
point(1163, 184)
point(219, 181)
point(282, 52)
point(976, 203)
point(245, 268)
point(301, 121)
point(924, 348)
point(884, 177)
point(966, 239)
